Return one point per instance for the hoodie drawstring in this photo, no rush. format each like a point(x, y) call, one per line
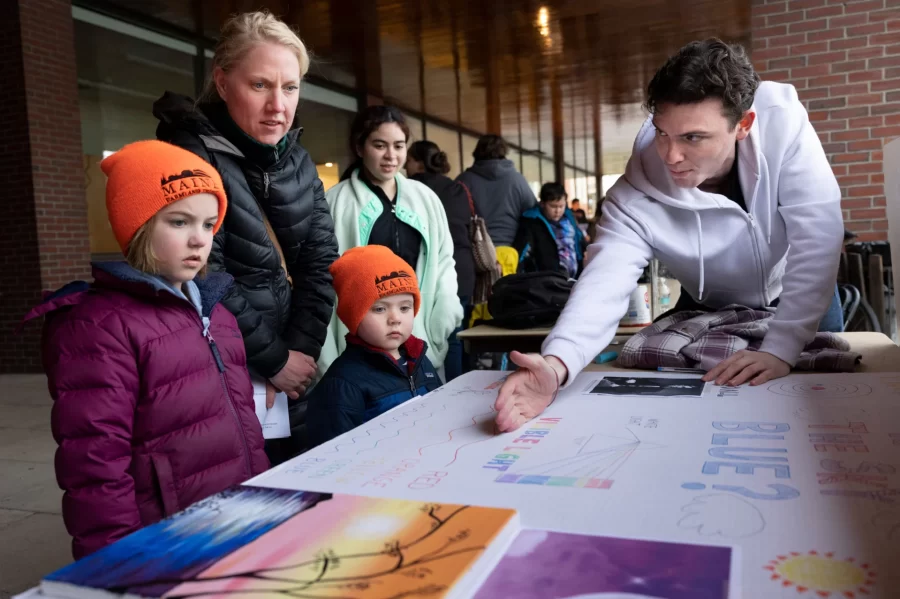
point(700, 242)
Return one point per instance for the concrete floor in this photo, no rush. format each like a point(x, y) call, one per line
point(33, 540)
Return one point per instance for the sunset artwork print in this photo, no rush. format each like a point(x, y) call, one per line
point(339, 546)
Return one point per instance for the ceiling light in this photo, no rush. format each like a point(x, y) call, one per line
point(543, 21)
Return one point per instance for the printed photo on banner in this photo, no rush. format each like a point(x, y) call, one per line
point(648, 386)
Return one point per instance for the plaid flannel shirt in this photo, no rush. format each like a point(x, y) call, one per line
point(703, 339)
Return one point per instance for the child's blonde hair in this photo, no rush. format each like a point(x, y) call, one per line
point(140, 251)
point(140, 255)
point(238, 36)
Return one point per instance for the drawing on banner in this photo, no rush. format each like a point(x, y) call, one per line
point(469, 392)
point(368, 439)
point(722, 515)
point(408, 416)
point(593, 466)
point(823, 574)
point(870, 474)
point(367, 433)
point(490, 389)
point(482, 427)
point(821, 389)
point(648, 386)
point(404, 428)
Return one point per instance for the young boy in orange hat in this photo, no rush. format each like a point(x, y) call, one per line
point(383, 365)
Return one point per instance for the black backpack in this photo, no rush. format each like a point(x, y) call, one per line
point(531, 299)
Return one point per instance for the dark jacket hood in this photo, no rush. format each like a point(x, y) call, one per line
point(494, 169)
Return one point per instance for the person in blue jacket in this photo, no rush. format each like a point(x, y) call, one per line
point(549, 237)
point(383, 365)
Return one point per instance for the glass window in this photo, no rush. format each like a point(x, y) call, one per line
point(179, 14)
point(116, 91)
point(529, 123)
point(581, 188)
point(545, 123)
point(548, 170)
point(469, 143)
point(531, 170)
point(326, 135)
point(591, 196)
point(516, 158)
point(569, 183)
point(448, 141)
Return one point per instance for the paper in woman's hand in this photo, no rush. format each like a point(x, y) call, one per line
point(275, 421)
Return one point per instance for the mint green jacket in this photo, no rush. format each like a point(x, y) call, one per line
point(355, 208)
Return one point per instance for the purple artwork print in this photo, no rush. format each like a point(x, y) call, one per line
point(552, 565)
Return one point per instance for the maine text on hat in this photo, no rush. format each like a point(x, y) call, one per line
point(390, 283)
point(185, 183)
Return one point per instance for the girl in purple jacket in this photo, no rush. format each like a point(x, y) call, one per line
point(153, 405)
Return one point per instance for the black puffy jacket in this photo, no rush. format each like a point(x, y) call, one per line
point(272, 317)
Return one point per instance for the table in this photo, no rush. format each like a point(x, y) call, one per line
point(659, 488)
point(489, 338)
point(879, 354)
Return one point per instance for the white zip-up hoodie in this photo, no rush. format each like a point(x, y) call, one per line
point(788, 246)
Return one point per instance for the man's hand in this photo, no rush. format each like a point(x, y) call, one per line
point(528, 391)
point(758, 367)
point(296, 375)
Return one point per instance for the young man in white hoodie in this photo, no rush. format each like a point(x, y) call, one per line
point(728, 185)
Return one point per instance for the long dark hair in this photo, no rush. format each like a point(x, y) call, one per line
point(366, 121)
point(431, 156)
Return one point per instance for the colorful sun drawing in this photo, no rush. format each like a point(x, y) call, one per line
point(822, 574)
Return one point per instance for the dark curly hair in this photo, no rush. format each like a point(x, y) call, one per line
point(367, 121)
point(707, 69)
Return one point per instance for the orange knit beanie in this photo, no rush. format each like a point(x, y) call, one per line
point(365, 274)
point(146, 176)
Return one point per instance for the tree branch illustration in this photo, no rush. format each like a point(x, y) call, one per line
point(364, 577)
point(131, 587)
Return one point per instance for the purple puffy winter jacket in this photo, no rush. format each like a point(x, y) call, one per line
point(150, 415)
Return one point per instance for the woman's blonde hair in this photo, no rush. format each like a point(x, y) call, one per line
point(238, 36)
point(139, 254)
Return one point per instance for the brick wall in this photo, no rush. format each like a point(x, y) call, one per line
point(44, 240)
point(843, 56)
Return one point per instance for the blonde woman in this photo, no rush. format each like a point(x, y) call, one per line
point(277, 240)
